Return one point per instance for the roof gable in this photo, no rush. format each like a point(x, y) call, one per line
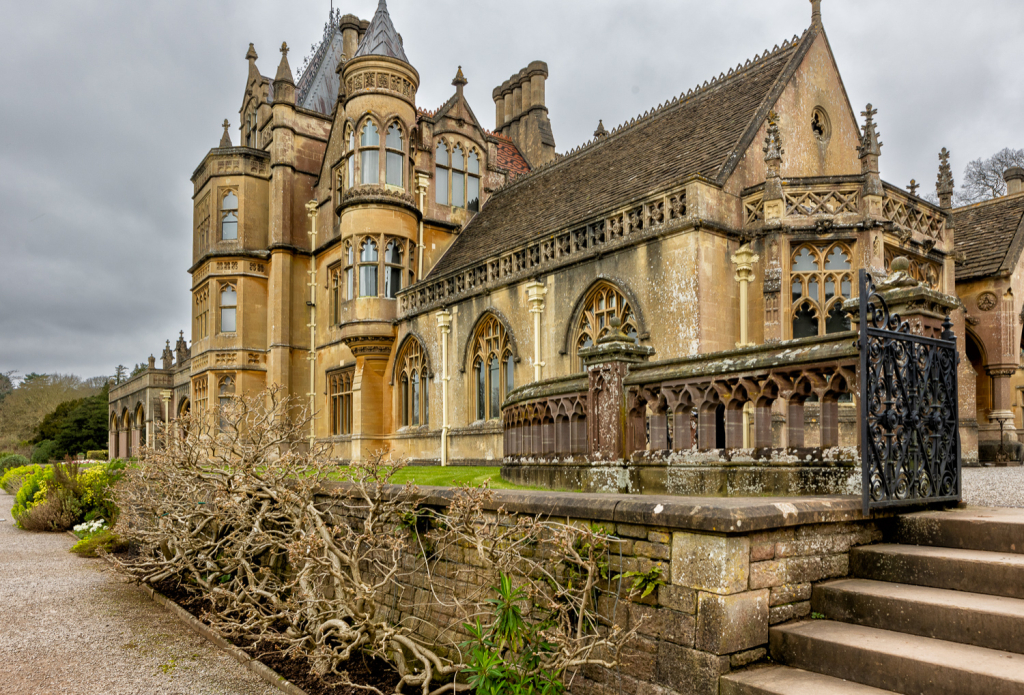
point(702, 133)
point(990, 235)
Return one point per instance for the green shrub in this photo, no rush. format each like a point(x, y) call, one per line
point(11, 480)
point(30, 492)
point(55, 498)
point(9, 461)
point(45, 451)
point(105, 540)
point(97, 455)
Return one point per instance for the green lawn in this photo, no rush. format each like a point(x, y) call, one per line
point(455, 476)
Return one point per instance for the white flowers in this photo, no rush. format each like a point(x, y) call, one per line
point(90, 527)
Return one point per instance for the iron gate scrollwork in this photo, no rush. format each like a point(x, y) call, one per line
point(910, 443)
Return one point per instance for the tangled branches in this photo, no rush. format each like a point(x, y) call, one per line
point(239, 509)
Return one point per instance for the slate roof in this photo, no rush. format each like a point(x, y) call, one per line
point(701, 134)
point(991, 235)
point(510, 159)
point(381, 39)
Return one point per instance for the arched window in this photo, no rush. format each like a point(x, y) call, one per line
point(602, 303)
point(228, 309)
point(351, 165)
point(441, 173)
point(368, 258)
point(340, 387)
point(820, 280)
point(229, 216)
point(493, 367)
point(413, 393)
point(225, 392)
point(140, 423)
point(458, 178)
point(334, 287)
point(252, 134)
point(202, 312)
point(350, 273)
point(393, 269)
point(395, 157)
point(473, 183)
point(369, 154)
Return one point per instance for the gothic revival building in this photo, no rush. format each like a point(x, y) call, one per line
point(456, 273)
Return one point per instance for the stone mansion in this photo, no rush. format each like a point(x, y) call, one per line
point(433, 281)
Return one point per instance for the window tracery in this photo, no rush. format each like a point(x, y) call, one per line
point(225, 392)
point(820, 280)
point(493, 367)
point(414, 386)
point(394, 162)
point(368, 259)
point(601, 304)
point(393, 268)
point(202, 312)
point(441, 173)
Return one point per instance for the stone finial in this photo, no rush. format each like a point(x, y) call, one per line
point(869, 144)
point(225, 139)
point(899, 276)
point(816, 13)
point(284, 70)
point(914, 185)
point(460, 79)
point(773, 167)
point(944, 184)
point(181, 350)
point(167, 357)
point(152, 363)
point(600, 133)
point(773, 142)
point(615, 333)
point(250, 55)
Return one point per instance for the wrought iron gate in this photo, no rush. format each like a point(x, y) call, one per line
point(910, 426)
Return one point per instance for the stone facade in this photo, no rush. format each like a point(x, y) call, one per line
point(452, 265)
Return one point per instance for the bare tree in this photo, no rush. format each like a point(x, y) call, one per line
point(983, 178)
point(238, 508)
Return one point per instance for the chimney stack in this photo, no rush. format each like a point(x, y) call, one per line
point(1014, 177)
point(520, 113)
point(349, 26)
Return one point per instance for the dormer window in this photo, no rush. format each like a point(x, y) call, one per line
point(369, 154)
point(394, 159)
point(229, 217)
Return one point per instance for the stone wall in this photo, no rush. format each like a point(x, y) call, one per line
point(731, 568)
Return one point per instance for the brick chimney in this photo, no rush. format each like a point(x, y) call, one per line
point(1014, 177)
point(521, 114)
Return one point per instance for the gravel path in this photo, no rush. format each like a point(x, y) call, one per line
point(994, 487)
point(72, 626)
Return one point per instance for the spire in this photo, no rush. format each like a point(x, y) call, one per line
point(870, 149)
point(254, 72)
point(773, 159)
point(167, 357)
point(225, 139)
point(381, 39)
point(600, 133)
point(284, 70)
point(944, 185)
point(816, 13)
point(460, 81)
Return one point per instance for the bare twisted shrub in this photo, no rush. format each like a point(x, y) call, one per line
point(228, 509)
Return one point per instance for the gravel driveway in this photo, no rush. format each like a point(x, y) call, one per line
point(70, 625)
point(994, 487)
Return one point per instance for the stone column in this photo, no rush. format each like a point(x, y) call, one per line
point(744, 260)
point(444, 324)
point(607, 365)
point(165, 398)
point(535, 293)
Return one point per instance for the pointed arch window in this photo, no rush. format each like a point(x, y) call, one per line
point(350, 272)
point(393, 268)
point(473, 182)
point(350, 166)
point(199, 391)
point(225, 392)
point(202, 312)
point(395, 157)
point(334, 287)
point(601, 304)
point(441, 173)
point(458, 178)
point(493, 368)
point(368, 259)
point(413, 392)
point(140, 424)
point(369, 154)
point(228, 309)
point(820, 280)
point(229, 216)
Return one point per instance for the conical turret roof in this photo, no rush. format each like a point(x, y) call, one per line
point(381, 39)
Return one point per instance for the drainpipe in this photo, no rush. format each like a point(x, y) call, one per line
point(165, 396)
point(535, 293)
point(311, 207)
point(444, 324)
point(421, 187)
point(744, 258)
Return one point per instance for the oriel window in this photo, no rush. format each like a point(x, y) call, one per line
point(229, 216)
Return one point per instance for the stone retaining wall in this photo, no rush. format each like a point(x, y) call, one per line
point(731, 567)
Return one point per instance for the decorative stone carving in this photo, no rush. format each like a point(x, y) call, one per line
point(987, 301)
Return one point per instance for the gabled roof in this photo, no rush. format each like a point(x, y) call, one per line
point(704, 133)
point(991, 235)
point(381, 38)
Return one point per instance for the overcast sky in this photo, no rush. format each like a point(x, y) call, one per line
point(108, 107)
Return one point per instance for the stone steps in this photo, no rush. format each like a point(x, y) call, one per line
point(901, 663)
point(975, 528)
point(783, 680)
point(975, 571)
point(995, 622)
